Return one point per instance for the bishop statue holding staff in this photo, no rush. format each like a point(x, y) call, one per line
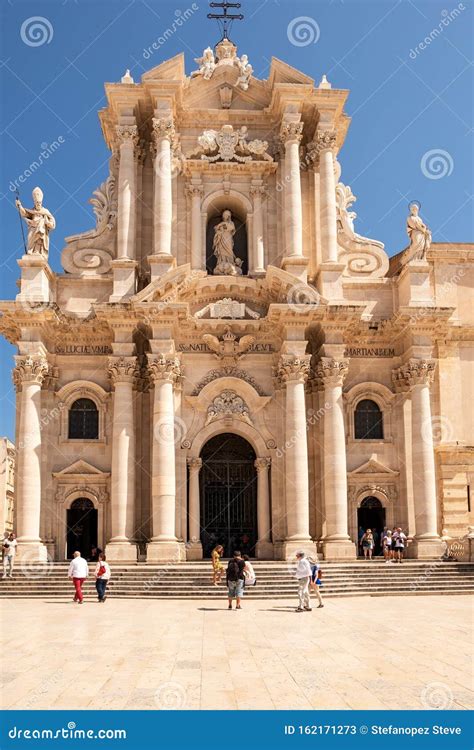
point(40, 223)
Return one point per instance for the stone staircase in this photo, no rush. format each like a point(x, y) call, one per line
point(274, 580)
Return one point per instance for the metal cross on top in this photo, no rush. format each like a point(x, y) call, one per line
point(225, 19)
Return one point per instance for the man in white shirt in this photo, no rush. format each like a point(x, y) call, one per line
point(78, 572)
point(9, 551)
point(303, 576)
point(398, 542)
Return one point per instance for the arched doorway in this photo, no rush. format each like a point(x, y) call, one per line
point(228, 493)
point(81, 527)
point(371, 515)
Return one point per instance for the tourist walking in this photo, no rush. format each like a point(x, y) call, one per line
point(235, 579)
point(102, 577)
point(250, 579)
point(368, 544)
point(316, 582)
point(387, 546)
point(360, 534)
point(303, 576)
point(9, 551)
point(78, 572)
point(398, 543)
point(217, 567)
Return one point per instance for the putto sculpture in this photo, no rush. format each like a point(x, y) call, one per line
point(206, 64)
point(226, 55)
point(40, 223)
point(419, 234)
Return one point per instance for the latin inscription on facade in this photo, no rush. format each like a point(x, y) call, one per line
point(373, 351)
point(203, 348)
point(84, 349)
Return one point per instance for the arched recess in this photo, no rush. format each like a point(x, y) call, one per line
point(74, 391)
point(357, 495)
point(66, 497)
point(211, 212)
point(371, 391)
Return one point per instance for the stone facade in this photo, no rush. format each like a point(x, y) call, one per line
point(151, 354)
point(7, 484)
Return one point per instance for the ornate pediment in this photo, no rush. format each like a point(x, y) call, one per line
point(82, 468)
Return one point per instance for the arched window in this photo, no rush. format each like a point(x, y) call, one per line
point(368, 421)
point(83, 420)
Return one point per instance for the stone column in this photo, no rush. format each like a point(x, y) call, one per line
point(164, 371)
point(264, 547)
point(128, 139)
point(28, 376)
point(336, 543)
point(195, 192)
point(293, 372)
point(121, 547)
point(194, 546)
point(258, 257)
point(418, 374)
point(323, 148)
point(163, 137)
point(291, 134)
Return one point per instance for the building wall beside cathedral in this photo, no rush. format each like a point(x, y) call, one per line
point(153, 342)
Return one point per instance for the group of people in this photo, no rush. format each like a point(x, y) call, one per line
point(240, 574)
point(79, 571)
point(392, 543)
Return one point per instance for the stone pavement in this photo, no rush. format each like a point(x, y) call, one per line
point(360, 653)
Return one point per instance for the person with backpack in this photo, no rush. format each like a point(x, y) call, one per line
point(316, 582)
point(235, 579)
point(102, 577)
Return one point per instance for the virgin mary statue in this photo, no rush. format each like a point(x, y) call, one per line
point(223, 247)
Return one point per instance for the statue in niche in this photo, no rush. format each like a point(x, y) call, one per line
point(40, 223)
point(419, 234)
point(223, 248)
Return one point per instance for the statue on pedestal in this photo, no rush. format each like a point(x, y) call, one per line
point(40, 223)
point(206, 64)
point(419, 234)
point(223, 247)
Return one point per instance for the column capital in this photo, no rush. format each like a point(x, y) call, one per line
point(127, 134)
point(331, 372)
point(123, 370)
point(291, 132)
point(194, 191)
point(162, 367)
point(293, 369)
point(324, 140)
point(257, 191)
point(29, 369)
point(163, 127)
point(414, 372)
point(194, 464)
point(262, 464)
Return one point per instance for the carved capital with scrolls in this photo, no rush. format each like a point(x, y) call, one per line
point(162, 367)
point(123, 370)
point(331, 372)
point(324, 140)
point(127, 134)
point(29, 369)
point(291, 132)
point(293, 369)
point(194, 191)
point(194, 465)
point(163, 127)
point(415, 372)
point(262, 464)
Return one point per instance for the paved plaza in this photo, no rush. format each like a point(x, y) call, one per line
point(360, 653)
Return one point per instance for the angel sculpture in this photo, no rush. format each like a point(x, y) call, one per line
point(207, 64)
point(229, 348)
point(245, 72)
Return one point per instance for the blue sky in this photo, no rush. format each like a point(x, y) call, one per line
point(411, 104)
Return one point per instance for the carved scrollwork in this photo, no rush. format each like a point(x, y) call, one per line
point(228, 404)
point(30, 369)
point(123, 369)
point(331, 371)
point(415, 372)
point(291, 368)
point(162, 367)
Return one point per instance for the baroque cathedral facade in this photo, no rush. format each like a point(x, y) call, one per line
point(224, 358)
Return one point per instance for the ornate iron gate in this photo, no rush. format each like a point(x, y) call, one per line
point(228, 495)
